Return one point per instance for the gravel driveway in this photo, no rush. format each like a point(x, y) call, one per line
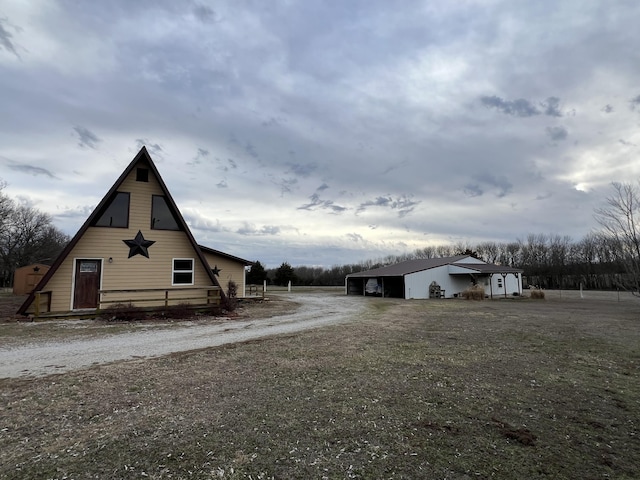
point(42, 358)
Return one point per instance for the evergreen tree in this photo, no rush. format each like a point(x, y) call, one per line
point(256, 274)
point(284, 274)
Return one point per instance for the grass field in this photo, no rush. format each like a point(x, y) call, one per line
point(507, 389)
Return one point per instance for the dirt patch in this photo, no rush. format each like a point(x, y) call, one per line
point(9, 305)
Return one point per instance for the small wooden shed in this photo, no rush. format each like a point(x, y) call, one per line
point(26, 278)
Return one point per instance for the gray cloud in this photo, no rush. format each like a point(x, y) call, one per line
point(5, 38)
point(153, 148)
point(249, 229)
point(322, 187)
point(205, 14)
point(317, 202)
point(251, 150)
point(271, 122)
point(286, 185)
point(522, 107)
point(544, 196)
point(557, 133)
point(635, 101)
point(301, 170)
point(518, 108)
point(200, 155)
point(355, 237)
point(607, 108)
point(222, 184)
point(475, 189)
point(552, 107)
point(403, 204)
point(31, 170)
point(87, 137)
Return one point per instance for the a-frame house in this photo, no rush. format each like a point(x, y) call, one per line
point(135, 247)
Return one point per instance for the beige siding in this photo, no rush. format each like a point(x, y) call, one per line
point(123, 272)
point(230, 270)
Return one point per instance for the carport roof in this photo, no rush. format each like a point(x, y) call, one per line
point(410, 266)
point(488, 268)
point(418, 265)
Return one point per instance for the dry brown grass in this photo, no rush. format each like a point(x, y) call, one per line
point(474, 292)
point(447, 389)
point(537, 294)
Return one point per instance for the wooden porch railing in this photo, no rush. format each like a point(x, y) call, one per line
point(201, 295)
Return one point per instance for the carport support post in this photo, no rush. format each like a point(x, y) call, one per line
point(504, 283)
point(491, 285)
point(382, 287)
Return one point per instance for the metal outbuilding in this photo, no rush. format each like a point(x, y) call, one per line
point(445, 277)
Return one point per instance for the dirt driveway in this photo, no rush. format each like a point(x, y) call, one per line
point(40, 357)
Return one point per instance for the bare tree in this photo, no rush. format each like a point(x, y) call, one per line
point(488, 251)
point(619, 220)
point(26, 236)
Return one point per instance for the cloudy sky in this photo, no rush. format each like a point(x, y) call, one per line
point(326, 132)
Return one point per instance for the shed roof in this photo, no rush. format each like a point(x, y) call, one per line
point(409, 266)
point(225, 255)
point(412, 266)
point(489, 268)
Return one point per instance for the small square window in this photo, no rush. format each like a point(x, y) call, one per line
point(142, 175)
point(182, 273)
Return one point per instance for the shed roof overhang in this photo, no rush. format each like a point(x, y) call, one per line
point(487, 269)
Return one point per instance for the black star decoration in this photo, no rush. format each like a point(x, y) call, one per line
point(138, 246)
point(216, 271)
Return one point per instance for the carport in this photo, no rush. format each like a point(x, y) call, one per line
point(444, 277)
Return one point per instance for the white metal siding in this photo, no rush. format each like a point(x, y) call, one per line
point(510, 285)
point(416, 285)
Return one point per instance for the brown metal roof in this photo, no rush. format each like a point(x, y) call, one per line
point(225, 255)
point(489, 268)
point(409, 266)
point(412, 266)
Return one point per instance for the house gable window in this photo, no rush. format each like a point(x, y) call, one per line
point(116, 213)
point(182, 271)
point(162, 217)
point(142, 175)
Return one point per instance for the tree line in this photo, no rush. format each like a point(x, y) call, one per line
point(27, 236)
point(549, 261)
point(607, 258)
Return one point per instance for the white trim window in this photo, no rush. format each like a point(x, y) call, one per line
point(182, 273)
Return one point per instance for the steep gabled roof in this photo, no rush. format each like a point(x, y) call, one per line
point(142, 155)
point(408, 267)
point(225, 255)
